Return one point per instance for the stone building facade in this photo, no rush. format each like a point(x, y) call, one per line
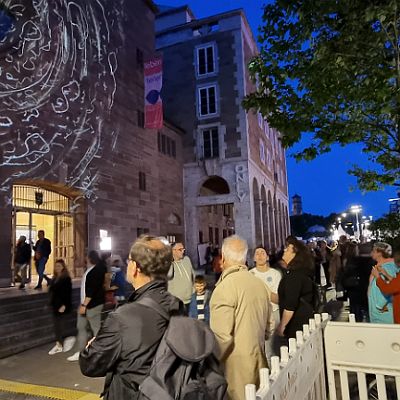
point(75, 158)
point(231, 158)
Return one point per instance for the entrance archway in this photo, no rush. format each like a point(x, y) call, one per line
point(36, 208)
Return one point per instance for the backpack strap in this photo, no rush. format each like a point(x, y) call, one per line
point(150, 303)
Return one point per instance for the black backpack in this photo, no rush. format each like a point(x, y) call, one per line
point(184, 367)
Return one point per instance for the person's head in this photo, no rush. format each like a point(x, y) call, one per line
point(40, 234)
point(93, 257)
point(60, 269)
point(261, 256)
point(323, 244)
point(343, 239)
point(149, 259)
point(116, 261)
point(233, 252)
point(22, 239)
point(297, 255)
point(178, 251)
point(200, 284)
point(381, 251)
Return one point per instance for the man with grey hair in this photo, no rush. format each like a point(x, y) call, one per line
point(240, 318)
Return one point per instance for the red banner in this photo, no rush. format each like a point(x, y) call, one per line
point(152, 94)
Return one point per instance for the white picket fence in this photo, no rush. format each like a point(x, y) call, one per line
point(299, 373)
point(362, 362)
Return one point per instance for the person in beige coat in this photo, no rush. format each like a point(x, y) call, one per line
point(240, 319)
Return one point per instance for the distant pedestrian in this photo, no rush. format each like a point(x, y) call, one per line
point(240, 318)
point(181, 275)
point(60, 291)
point(42, 253)
point(23, 254)
point(92, 302)
point(199, 307)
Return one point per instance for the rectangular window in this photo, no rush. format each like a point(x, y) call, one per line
point(139, 59)
point(205, 60)
point(142, 181)
point(210, 143)
point(208, 100)
point(210, 234)
point(224, 234)
point(173, 149)
point(216, 236)
point(159, 141)
point(140, 118)
point(262, 151)
point(200, 236)
point(163, 144)
point(168, 146)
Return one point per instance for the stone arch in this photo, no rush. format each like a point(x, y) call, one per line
point(264, 216)
point(271, 228)
point(276, 223)
point(257, 223)
point(214, 185)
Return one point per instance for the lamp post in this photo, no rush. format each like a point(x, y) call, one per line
point(356, 210)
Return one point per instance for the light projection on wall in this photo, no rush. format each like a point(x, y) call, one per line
point(58, 61)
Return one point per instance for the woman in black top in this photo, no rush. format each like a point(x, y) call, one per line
point(60, 291)
point(295, 290)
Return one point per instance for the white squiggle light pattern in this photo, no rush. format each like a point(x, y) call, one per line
point(57, 85)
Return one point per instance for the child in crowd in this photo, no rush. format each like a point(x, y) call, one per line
point(199, 307)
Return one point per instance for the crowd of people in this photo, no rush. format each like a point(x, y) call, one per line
point(257, 304)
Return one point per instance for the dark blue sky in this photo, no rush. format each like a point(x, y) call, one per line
point(324, 183)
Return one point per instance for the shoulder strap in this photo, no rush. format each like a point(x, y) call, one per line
point(150, 303)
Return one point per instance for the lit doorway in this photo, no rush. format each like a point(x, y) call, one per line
point(48, 211)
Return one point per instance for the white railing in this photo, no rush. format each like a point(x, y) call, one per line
point(299, 373)
point(363, 360)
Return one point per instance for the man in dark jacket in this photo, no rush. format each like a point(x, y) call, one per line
point(92, 301)
point(22, 260)
point(127, 342)
point(42, 253)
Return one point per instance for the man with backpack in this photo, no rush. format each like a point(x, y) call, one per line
point(146, 349)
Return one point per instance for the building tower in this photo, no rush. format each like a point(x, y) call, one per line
point(297, 207)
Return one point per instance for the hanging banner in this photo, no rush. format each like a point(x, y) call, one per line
point(153, 118)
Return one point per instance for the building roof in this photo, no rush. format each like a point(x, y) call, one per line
point(152, 6)
point(202, 21)
point(164, 10)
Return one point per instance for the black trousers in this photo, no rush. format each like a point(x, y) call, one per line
point(60, 326)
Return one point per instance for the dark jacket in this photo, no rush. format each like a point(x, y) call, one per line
point(193, 312)
point(127, 342)
point(43, 247)
point(94, 285)
point(295, 293)
point(23, 253)
point(60, 292)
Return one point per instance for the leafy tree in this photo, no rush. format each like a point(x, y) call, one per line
point(330, 70)
point(387, 228)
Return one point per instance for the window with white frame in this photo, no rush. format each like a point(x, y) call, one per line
point(262, 151)
point(207, 100)
point(205, 60)
point(210, 143)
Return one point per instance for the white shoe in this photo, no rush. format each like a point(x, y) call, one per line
point(74, 357)
point(69, 343)
point(56, 349)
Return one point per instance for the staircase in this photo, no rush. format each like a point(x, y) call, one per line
point(27, 321)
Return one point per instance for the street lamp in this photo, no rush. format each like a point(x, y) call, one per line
point(356, 210)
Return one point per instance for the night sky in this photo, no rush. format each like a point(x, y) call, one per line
point(323, 184)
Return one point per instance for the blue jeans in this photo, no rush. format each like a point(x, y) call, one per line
point(40, 267)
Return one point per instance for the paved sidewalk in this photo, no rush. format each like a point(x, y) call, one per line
point(36, 367)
